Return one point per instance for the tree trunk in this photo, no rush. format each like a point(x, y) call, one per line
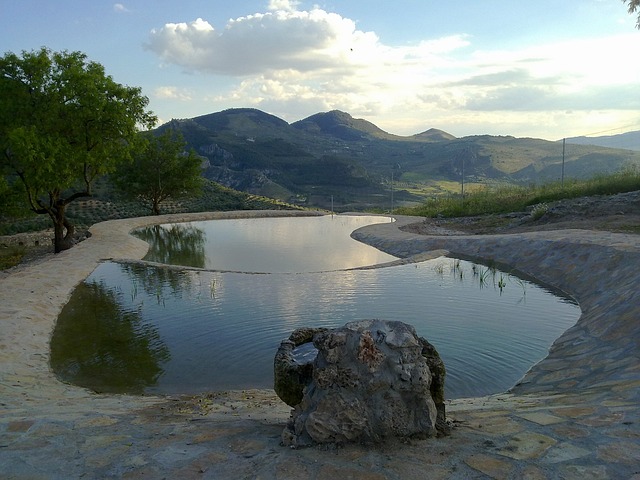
point(63, 230)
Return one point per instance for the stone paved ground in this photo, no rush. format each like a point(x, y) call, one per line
point(573, 416)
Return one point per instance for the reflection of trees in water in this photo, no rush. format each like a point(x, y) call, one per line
point(153, 281)
point(99, 345)
point(179, 244)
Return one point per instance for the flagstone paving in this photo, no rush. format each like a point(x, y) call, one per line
point(575, 415)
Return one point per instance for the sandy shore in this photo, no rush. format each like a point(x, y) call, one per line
point(574, 415)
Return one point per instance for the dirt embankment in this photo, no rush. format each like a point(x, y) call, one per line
point(614, 213)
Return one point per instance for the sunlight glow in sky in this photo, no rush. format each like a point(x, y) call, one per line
point(528, 69)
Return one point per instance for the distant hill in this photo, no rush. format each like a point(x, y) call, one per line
point(246, 120)
point(629, 140)
point(342, 125)
point(332, 159)
point(433, 135)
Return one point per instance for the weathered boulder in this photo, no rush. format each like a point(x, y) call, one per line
point(293, 365)
point(371, 380)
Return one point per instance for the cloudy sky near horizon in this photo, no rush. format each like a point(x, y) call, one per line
point(544, 69)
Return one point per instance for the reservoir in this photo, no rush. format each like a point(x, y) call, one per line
point(216, 322)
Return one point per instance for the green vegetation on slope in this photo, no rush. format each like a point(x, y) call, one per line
point(506, 199)
point(106, 206)
point(11, 256)
point(333, 156)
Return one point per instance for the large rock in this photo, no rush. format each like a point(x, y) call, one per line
point(370, 381)
point(293, 365)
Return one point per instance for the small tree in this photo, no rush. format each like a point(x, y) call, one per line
point(161, 171)
point(63, 123)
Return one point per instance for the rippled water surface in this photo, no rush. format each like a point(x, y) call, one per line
point(139, 328)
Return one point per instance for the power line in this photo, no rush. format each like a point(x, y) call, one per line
point(610, 130)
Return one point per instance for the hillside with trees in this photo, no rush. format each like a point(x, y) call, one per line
point(334, 159)
point(69, 134)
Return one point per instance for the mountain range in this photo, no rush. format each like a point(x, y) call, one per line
point(629, 140)
point(333, 159)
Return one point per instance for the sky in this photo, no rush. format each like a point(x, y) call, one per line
point(545, 69)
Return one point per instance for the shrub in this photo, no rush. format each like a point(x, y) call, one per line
point(539, 210)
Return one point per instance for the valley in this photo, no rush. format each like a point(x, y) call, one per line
point(332, 160)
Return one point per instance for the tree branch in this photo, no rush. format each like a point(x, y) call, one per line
point(75, 196)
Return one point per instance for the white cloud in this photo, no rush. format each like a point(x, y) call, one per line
point(294, 63)
point(254, 44)
point(120, 8)
point(312, 58)
point(285, 5)
point(574, 75)
point(173, 93)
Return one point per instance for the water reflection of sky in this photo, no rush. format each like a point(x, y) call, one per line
point(276, 245)
point(209, 330)
point(222, 329)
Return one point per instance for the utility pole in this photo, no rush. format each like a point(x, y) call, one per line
point(392, 191)
point(462, 180)
point(562, 178)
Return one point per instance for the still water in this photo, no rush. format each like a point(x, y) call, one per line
point(145, 329)
point(265, 245)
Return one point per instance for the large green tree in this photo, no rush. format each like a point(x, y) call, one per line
point(162, 170)
point(64, 123)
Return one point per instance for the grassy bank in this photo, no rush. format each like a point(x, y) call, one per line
point(11, 256)
point(519, 198)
